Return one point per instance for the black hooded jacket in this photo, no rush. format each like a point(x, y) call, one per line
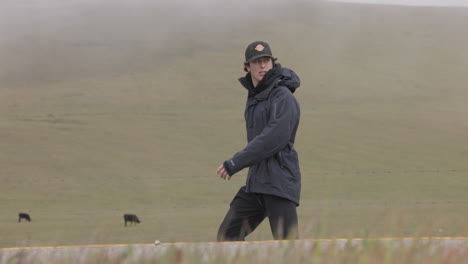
point(272, 116)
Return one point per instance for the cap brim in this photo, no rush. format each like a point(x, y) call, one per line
point(259, 56)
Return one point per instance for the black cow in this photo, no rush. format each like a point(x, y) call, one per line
point(131, 218)
point(24, 216)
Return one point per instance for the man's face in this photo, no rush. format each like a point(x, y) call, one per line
point(258, 68)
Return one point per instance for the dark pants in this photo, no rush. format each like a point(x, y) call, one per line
point(248, 210)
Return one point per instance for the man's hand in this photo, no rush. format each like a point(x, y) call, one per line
point(223, 173)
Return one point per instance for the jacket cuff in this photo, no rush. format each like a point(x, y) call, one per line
point(229, 169)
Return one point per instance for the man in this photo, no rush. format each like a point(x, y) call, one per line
point(274, 180)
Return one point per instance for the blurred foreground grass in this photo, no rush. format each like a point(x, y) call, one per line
point(332, 251)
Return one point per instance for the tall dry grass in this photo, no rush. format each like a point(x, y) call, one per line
point(351, 251)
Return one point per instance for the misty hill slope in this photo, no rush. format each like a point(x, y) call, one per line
point(102, 116)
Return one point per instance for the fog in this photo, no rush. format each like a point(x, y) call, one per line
point(409, 2)
point(53, 40)
point(49, 40)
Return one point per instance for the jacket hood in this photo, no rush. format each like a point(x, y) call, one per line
point(283, 77)
point(289, 79)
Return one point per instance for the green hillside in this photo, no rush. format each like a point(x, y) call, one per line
point(106, 110)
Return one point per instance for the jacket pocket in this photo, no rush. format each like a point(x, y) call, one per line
point(279, 158)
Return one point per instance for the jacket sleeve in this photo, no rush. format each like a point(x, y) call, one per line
point(284, 118)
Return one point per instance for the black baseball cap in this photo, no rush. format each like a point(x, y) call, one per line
point(256, 50)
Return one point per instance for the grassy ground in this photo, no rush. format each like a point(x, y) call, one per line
point(98, 119)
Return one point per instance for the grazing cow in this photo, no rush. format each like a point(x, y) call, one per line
point(24, 216)
point(131, 218)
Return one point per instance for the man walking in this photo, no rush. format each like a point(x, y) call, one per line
point(273, 182)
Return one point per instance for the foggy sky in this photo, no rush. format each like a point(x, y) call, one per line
point(410, 2)
point(48, 40)
point(51, 39)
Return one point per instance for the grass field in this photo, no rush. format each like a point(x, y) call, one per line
point(112, 109)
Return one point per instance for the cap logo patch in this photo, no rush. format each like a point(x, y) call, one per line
point(259, 47)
